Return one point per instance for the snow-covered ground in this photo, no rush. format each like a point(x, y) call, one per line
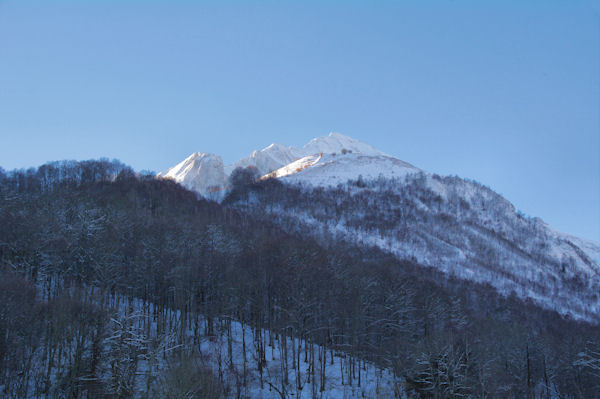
point(344, 376)
point(142, 343)
point(341, 372)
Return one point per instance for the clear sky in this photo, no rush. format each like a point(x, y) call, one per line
point(506, 93)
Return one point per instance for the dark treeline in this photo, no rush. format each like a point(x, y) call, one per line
point(75, 236)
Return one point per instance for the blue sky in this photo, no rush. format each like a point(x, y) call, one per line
point(506, 93)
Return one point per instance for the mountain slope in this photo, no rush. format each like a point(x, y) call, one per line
point(114, 284)
point(460, 228)
point(338, 188)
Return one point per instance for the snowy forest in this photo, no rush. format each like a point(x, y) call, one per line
point(454, 225)
point(116, 284)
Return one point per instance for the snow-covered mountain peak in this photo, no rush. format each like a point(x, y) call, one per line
point(266, 160)
point(204, 172)
point(276, 147)
point(187, 164)
point(336, 143)
point(200, 172)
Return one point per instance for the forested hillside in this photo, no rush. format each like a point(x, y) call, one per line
point(456, 226)
point(112, 282)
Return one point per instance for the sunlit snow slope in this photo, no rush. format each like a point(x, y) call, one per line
point(333, 169)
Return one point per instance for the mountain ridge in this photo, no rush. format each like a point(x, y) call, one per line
point(317, 160)
point(460, 227)
point(195, 176)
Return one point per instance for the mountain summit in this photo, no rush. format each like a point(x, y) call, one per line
point(336, 143)
point(200, 172)
point(335, 158)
